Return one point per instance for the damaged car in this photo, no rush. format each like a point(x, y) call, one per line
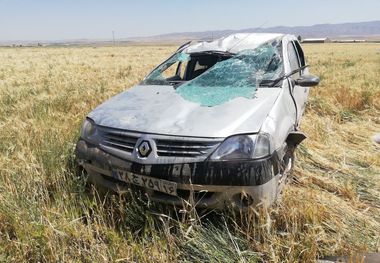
point(215, 124)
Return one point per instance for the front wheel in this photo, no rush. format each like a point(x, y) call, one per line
point(287, 165)
point(288, 162)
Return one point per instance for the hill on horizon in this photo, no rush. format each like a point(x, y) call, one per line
point(344, 30)
point(361, 30)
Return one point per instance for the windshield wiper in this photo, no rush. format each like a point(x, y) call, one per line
point(274, 82)
point(269, 82)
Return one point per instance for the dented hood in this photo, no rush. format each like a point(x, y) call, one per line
point(160, 110)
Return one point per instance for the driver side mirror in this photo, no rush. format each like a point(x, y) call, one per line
point(307, 81)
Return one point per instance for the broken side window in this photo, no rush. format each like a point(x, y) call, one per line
point(235, 77)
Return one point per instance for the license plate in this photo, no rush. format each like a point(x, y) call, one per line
point(146, 181)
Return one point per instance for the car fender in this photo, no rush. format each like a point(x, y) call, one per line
point(280, 120)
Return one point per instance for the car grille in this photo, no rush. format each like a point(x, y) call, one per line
point(184, 148)
point(167, 146)
point(119, 140)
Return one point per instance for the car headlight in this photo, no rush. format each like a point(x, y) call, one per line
point(243, 147)
point(88, 129)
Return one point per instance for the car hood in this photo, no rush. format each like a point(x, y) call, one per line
point(160, 110)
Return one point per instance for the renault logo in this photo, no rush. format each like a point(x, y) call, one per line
point(144, 149)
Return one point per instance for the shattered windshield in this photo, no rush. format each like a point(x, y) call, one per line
point(232, 77)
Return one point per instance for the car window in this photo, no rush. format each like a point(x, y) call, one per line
point(293, 60)
point(183, 67)
point(300, 53)
point(237, 76)
point(201, 63)
point(170, 72)
point(255, 62)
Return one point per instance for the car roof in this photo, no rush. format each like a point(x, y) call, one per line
point(233, 43)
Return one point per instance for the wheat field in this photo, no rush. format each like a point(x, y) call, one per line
point(48, 214)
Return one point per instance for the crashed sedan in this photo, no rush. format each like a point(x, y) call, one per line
point(216, 124)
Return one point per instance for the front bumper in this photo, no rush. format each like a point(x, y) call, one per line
point(209, 184)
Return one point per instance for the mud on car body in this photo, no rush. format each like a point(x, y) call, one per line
point(217, 122)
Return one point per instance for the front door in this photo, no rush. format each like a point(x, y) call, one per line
point(296, 62)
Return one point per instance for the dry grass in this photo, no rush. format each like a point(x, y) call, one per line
point(47, 215)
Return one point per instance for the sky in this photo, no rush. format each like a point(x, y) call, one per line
point(42, 20)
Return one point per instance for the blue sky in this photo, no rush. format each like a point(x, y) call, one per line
point(70, 19)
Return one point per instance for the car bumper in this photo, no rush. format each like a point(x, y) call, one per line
point(206, 184)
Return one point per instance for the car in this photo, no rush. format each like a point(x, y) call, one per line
point(214, 125)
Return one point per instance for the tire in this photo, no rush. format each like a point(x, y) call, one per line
point(287, 167)
point(289, 160)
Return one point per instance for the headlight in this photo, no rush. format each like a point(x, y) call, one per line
point(88, 129)
point(243, 147)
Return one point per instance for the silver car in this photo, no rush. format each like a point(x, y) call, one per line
point(215, 124)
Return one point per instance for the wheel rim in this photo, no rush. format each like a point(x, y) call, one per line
point(289, 165)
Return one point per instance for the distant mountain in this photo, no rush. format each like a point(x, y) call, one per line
point(362, 30)
point(344, 30)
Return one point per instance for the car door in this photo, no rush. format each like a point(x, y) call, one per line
point(296, 60)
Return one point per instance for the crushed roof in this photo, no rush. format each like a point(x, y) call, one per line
point(233, 43)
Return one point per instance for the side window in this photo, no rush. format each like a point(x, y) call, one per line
point(300, 53)
point(293, 59)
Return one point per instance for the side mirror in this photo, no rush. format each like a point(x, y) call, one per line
point(307, 81)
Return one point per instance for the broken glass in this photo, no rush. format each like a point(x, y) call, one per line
point(166, 72)
point(235, 77)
